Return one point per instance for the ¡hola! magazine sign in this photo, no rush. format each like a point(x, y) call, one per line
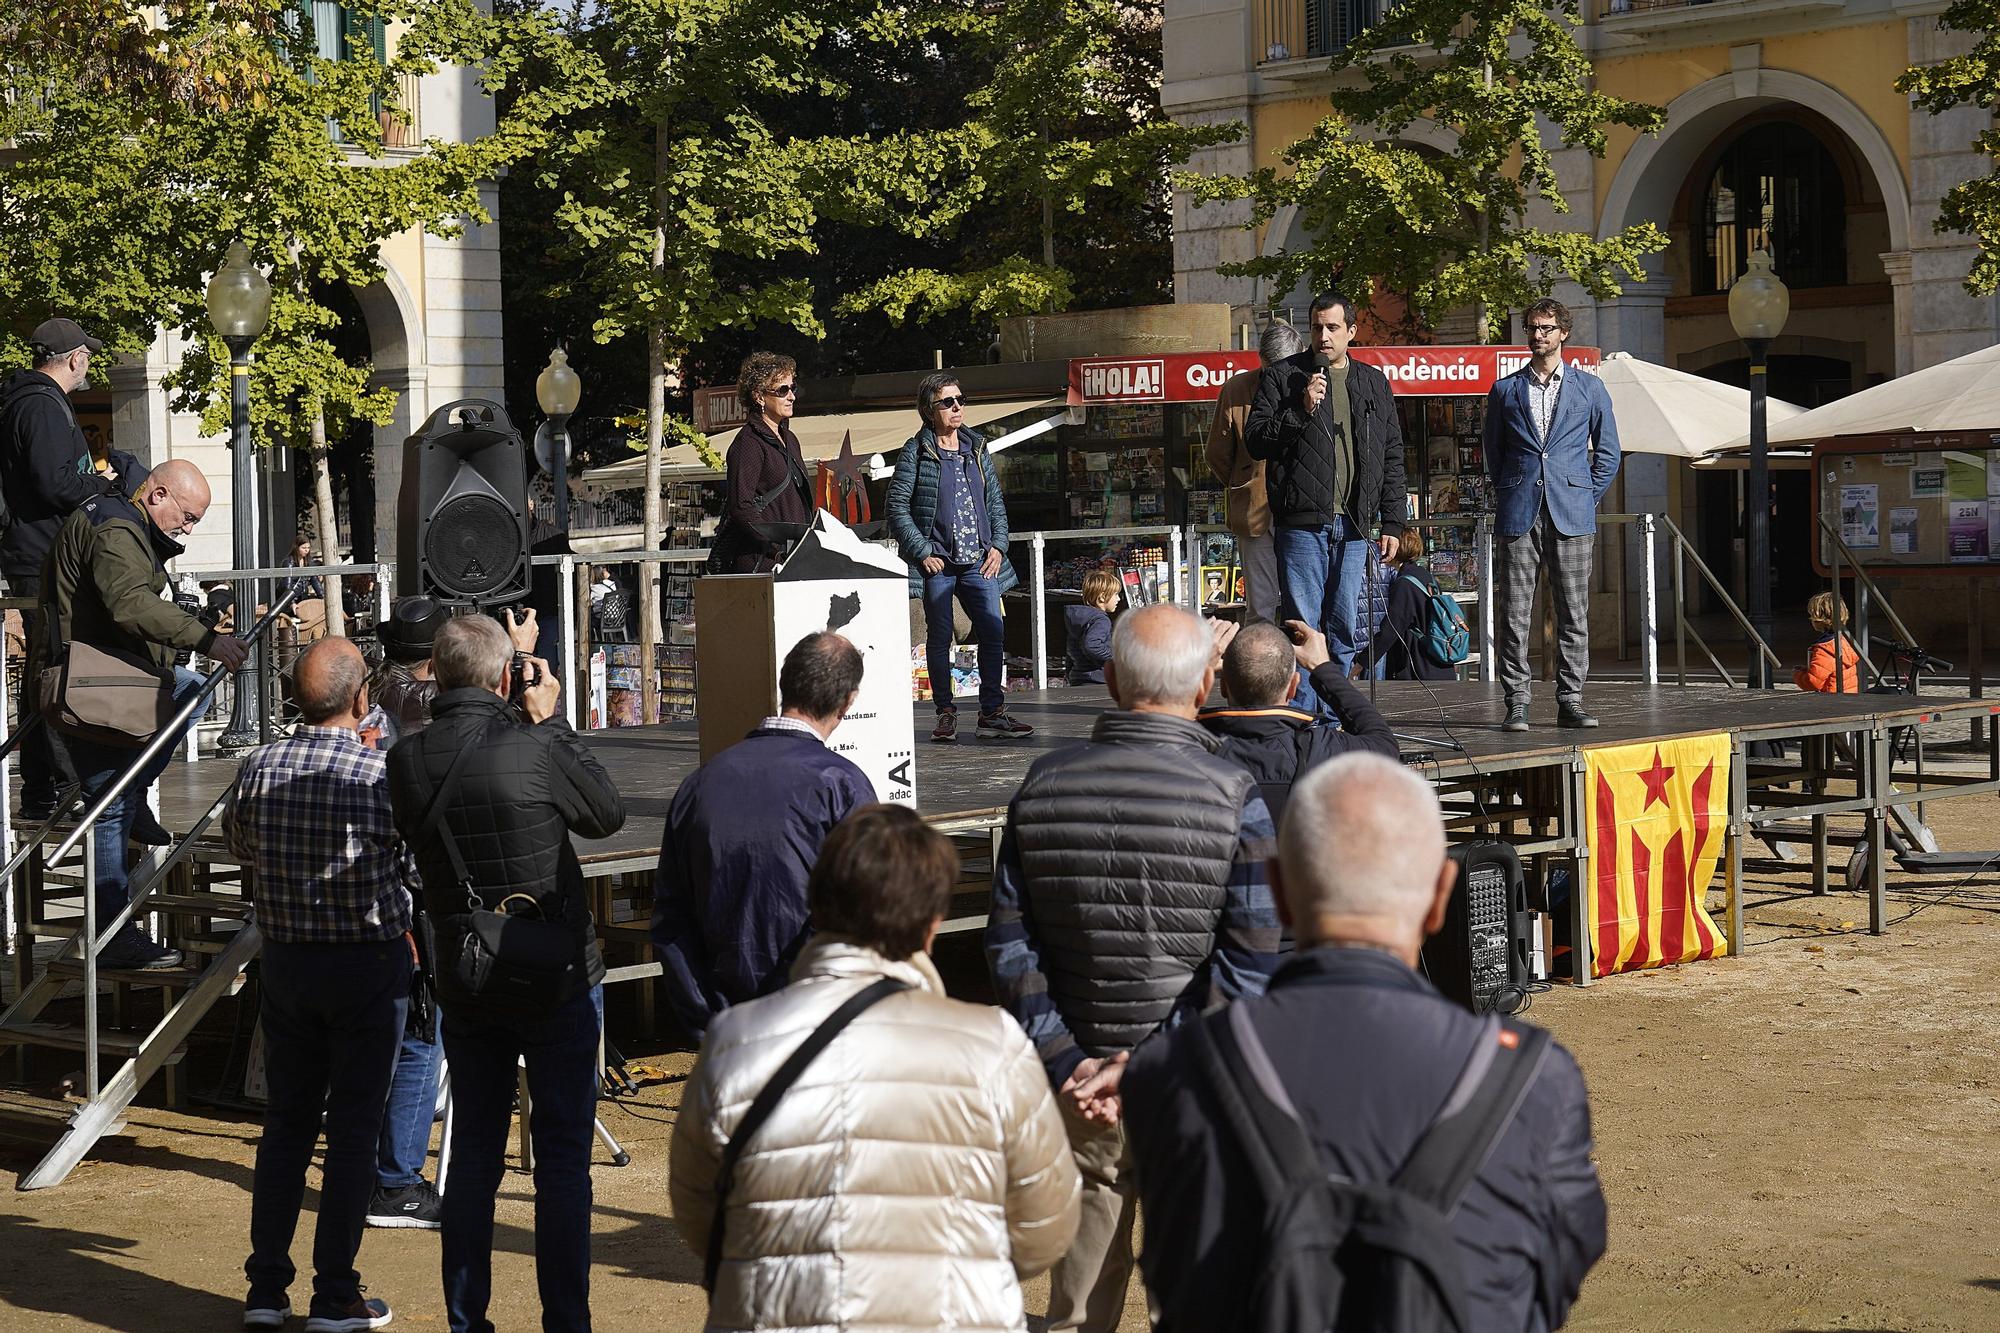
point(1196, 377)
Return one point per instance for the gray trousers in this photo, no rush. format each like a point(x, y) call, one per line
point(1518, 565)
point(1087, 1286)
point(1259, 558)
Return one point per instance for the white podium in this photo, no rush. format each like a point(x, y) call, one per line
point(746, 623)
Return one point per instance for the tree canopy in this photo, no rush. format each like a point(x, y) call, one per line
point(1971, 207)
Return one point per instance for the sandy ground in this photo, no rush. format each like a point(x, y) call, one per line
point(1800, 1139)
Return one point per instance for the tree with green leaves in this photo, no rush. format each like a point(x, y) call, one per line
point(1507, 82)
point(122, 192)
point(1971, 207)
point(1067, 127)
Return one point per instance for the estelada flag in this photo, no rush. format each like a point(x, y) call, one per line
point(1657, 815)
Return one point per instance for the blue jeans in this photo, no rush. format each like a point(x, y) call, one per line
point(1320, 571)
point(99, 766)
point(332, 1015)
point(561, 1054)
point(406, 1121)
point(980, 596)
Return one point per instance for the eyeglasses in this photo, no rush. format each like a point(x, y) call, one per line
point(189, 520)
point(786, 390)
point(1543, 328)
point(946, 404)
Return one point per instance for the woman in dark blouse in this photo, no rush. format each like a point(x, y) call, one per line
point(1400, 639)
point(767, 496)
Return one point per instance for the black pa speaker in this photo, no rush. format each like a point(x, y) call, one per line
point(1480, 957)
point(462, 515)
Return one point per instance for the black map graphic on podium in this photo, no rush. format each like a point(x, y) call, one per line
point(842, 608)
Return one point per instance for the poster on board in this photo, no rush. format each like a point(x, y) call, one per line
point(1861, 517)
point(1967, 534)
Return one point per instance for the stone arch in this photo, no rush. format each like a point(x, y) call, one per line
point(396, 347)
point(1650, 179)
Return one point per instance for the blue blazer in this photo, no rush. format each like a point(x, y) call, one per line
point(1571, 474)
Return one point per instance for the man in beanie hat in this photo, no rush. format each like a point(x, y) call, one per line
point(46, 471)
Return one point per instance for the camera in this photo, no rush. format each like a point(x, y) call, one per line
point(522, 677)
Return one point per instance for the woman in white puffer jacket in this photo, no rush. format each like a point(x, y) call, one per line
point(918, 1169)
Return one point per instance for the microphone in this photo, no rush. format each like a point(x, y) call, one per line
point(1324, 364)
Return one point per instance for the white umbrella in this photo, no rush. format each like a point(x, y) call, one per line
point(1957, 395)
point(1664, 411)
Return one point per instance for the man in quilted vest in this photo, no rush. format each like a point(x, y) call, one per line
point(1129, 895)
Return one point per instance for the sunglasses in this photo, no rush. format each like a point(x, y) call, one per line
point(786, 390)
point(1543, 328)
point(946, 404)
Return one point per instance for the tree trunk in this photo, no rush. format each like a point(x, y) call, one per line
point(1479, 330)
point(656, 427)
point(326, 525)
point(1048, 212)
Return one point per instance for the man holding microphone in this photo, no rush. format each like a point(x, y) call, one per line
point(1326, 425)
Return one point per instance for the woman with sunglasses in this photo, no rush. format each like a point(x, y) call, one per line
point(950, 523)
point(767, 496)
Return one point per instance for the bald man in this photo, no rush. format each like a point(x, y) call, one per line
point(1129, 896)
point(311, 818)
point(1364, 1054)
point(101, 585)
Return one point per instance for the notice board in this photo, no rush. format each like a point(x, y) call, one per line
point(1928, 503)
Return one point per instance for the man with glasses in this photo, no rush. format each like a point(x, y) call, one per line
point(101, 583)
point(950, 523)
point(1552, 451)
point(46, 470)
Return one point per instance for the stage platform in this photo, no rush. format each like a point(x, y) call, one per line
point(1525, 788)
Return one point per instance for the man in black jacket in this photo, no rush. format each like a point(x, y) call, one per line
point(1367, 1052)
point(1326, 424)
point(515, 800)
point(46, 471)
point(1261, 730)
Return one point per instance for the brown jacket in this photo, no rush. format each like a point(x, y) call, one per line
point(1249, 510)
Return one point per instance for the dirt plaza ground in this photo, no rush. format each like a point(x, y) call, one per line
point(1800, 1139)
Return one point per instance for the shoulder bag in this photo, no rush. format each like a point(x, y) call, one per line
point(511, 956)
point(720, 556)
point(101, 695)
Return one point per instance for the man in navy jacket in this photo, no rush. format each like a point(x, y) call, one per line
point(1552, 451)
point(729, 898)
point(1367, 1052)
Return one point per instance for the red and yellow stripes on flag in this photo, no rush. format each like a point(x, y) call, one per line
point(1657, 814)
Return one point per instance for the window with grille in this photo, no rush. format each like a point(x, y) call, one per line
point(1776, 188)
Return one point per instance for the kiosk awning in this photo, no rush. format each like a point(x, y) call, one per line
point(881, 430)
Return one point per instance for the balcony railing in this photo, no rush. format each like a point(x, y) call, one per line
point(1290, 29)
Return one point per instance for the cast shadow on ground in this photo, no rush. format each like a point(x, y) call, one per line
point(62, 1272)
point(1984, 1283)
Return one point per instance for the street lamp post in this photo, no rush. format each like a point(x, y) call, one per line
point(1758, 304)
point(239, 304)
point(558, 390)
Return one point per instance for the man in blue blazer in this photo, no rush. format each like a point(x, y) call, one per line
point(1552, 451)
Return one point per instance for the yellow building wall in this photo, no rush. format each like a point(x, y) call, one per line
point(1861, 63)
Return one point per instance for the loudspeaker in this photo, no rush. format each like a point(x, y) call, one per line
point(462, 515)
point(1480, 957)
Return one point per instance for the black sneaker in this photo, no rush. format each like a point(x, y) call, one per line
point(266, 1311)
point(1002, 726)
point(37, 812)
point(353, 1316)
point(417, 1206)
point(947, 726)
point(131, 951)
point(146, 830)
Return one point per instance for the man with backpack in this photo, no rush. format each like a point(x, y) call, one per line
point(1351, 1151)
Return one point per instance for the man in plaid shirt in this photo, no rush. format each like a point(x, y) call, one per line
point(333, 882)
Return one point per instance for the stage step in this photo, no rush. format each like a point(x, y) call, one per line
point(1946, 862)
point(31, 1120)
point(206, 904)
point(169, 978)
point(66, 1037)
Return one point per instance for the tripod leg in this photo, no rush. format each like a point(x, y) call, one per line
point(619, 1157)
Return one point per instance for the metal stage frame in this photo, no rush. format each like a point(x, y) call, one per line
point(1526, 789)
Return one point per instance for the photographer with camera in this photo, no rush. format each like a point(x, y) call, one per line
point(487, 797)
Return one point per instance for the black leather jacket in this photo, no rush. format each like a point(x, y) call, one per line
point(518, 801)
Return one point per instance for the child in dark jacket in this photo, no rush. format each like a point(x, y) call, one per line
point(1089, 627)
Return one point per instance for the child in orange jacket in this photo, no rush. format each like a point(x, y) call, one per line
point(1833, 663)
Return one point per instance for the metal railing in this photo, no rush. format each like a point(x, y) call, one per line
point(95, 935)
point(1682, 555)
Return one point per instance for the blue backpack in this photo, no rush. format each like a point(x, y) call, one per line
point(1445, 639)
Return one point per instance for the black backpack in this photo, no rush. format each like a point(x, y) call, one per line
point(1348, 1256)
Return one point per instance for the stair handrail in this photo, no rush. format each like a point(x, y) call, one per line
point(1861, 577)
point(1684, 548)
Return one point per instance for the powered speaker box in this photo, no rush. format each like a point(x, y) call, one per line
point(1480, 957)
point(462, 514)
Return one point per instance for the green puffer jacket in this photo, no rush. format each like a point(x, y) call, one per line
point(102, 581)
point(913, 501)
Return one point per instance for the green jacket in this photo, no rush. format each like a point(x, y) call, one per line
point(101, 584)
